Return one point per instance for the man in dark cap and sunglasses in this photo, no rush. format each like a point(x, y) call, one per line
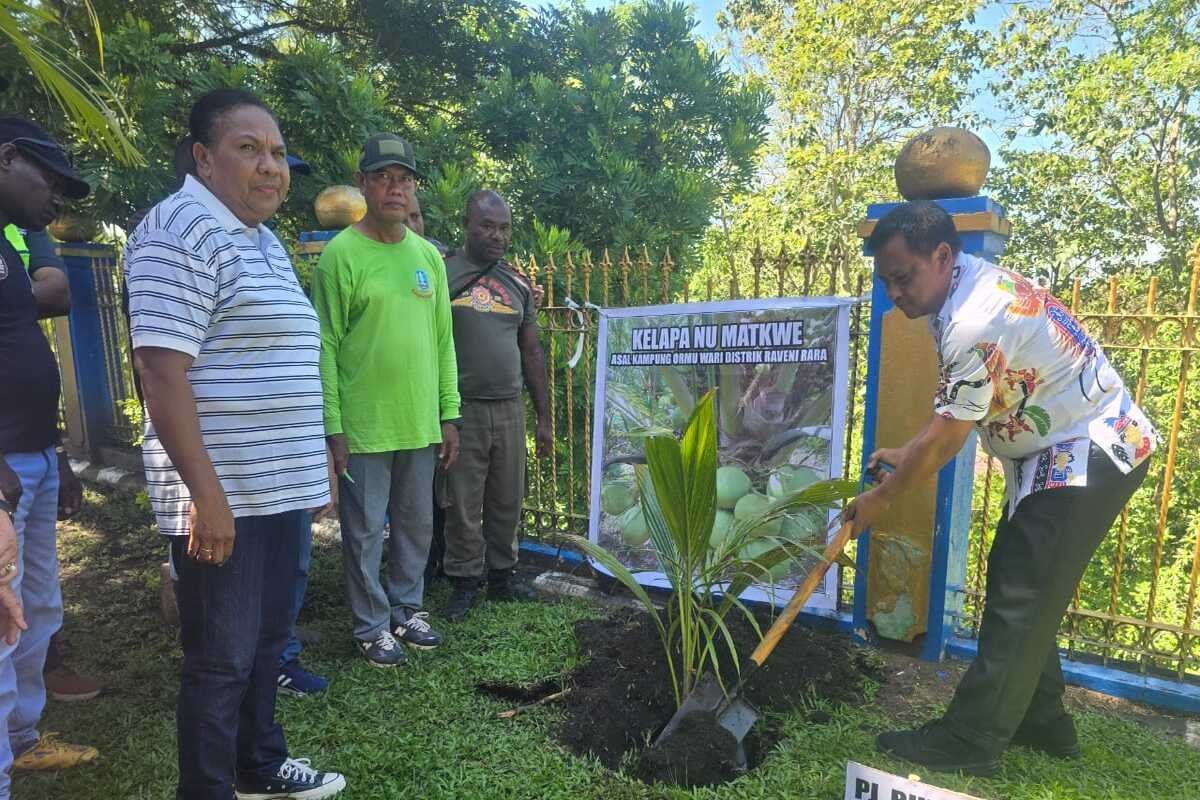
point(391, 399)
point(36, 179)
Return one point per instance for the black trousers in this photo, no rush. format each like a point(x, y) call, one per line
point(1037, 559)
point(234, 621)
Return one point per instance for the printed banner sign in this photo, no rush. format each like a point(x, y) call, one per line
point(780, 370)
point(865, 783)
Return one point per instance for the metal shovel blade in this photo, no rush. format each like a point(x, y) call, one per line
point(733, 713)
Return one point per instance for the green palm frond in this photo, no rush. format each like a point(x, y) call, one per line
point(68, 79)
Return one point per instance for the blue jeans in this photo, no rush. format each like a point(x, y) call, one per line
point(234, 620)
point(22, 691)
point(291, 650)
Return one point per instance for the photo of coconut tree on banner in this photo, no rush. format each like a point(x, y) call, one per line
point(780, 371)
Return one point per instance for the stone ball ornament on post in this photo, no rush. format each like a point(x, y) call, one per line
point(339, 206)
point(942, 163)
point(72, 226)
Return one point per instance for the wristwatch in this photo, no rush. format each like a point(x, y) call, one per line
point(456, 422)
point(8, 507)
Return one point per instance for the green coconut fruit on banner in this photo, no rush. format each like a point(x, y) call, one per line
point(754, 505)
point(732, 485)
point(634, 530)
point(787, 480)
point(757, 548)
point(807, 525)
point(621, 472)
point(617, 497)
point(722, 525)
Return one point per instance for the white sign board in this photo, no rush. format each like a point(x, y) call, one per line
point(780, 368)
point(865, 783)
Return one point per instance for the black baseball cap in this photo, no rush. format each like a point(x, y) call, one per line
point(35, 144)
point(386, 150)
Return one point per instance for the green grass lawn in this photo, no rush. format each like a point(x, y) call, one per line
point(424, 732)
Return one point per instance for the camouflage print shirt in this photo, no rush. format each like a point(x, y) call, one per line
point(1014, 360)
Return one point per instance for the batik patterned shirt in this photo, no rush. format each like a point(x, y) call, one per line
point(1014, 360)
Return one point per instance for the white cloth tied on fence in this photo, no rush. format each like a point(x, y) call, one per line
point(577, 312)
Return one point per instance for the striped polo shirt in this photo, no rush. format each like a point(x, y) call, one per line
point(203, 283)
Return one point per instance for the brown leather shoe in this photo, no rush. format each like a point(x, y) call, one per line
point(67, 686)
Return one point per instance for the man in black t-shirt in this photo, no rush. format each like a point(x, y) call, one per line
point(35, 177)
point(52, 296)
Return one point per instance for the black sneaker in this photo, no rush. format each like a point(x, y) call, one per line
point(466, 590)
point(295, 780)
point(1056, 739)
point(935, 746)
point(503, 585)
point(383, 651)
point(417, 633)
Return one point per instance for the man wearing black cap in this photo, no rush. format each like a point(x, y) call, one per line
point(390, 380)
point(35, 177)
point(52, 294)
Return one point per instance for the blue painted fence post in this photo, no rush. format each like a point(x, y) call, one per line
point(984, 229)
point(87, 340)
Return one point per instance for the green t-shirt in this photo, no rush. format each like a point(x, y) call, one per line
point(486, 321)
point(387, 343)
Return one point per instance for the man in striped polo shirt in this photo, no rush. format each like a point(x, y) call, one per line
point(227, 347)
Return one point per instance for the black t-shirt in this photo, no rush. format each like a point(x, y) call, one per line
point(28, 375)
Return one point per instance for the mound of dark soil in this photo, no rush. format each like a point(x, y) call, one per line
point(621, 696)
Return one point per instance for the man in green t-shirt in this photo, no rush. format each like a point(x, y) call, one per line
point(496, 338)
point(391, 399)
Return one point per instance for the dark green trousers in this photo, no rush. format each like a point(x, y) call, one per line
point(485, 488)
point(1037, 559)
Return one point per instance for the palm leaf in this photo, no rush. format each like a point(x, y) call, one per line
point(729, 377)
point(699, 450)
point(719, 624)
point(660, 534)
point(664, 462)
point(618, 570)
point(69, 81)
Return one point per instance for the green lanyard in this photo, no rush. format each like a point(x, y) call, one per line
point(17, 240)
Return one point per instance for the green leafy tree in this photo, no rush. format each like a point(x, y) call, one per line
point(851, 82)
point(629, 133)
point(1112, 87)
point(79, 91)
point(1063, 229)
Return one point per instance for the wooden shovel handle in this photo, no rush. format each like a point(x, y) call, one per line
point(805, 590)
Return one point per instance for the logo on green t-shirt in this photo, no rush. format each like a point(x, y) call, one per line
point(422, 289)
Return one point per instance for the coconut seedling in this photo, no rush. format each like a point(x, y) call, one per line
point(709, 554)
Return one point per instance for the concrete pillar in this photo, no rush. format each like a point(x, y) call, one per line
point(912, 566)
